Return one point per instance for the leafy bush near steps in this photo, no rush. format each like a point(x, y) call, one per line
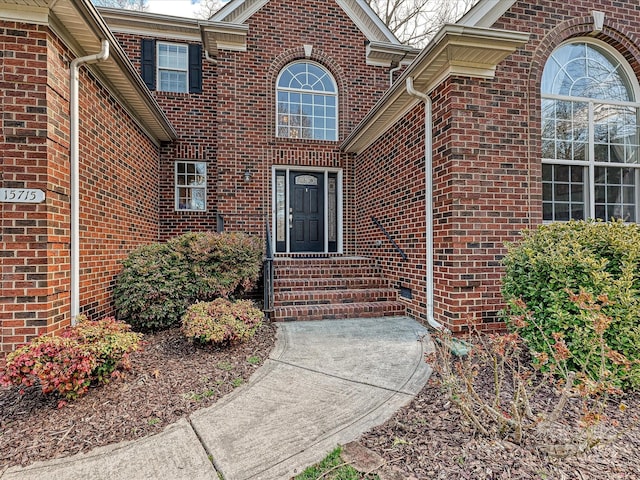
point(159, 281)
point(579, 282)
point(90, 352)
point(221, 321)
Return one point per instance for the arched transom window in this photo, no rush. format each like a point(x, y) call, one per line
point(307, 99)
point(589, 135)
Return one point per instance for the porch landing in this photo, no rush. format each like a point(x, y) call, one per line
point(333, 287)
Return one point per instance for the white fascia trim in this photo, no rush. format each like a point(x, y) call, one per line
point(23, 13)
point(485, 13)
point(357, 19)
point(224, 13)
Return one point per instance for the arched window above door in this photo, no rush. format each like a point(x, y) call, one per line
point(307, 102)
point(590, 134)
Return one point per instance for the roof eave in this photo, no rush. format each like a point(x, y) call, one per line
point(456, 50)
point(485, 13)
point(77, 17)
point(383, 54)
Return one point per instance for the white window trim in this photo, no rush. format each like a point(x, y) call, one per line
point(177, 187)
point(158, 68)
point(312, 92)
point(339, 199)
point(590, 164)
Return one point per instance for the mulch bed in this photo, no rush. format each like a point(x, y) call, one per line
point(428, 439)
point(169, 379)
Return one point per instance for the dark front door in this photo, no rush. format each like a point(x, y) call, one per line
point(307, 212)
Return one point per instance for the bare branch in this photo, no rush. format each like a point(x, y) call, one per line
point(414, 22)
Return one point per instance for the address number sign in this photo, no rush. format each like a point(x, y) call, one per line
point(21, 195)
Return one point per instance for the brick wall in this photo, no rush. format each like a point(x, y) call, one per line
point(487, 168)
point(231, 124)
point(390, 186)
point(118, 182)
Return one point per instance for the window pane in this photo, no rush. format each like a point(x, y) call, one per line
point(172, 56)
point(563, 190)
point(191, 181)
point(585, 70)
point(304, 91)
point(170, 81)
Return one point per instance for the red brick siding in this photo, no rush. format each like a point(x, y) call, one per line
point(231, 124)
point(487, 169)
point(194, 117)
point(118, 182)
point(390, 186)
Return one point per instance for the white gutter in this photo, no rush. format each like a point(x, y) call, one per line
point(428, 196)
point(75, 173)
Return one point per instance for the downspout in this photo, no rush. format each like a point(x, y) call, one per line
point(75, 173)
point(391, 72)
point(209, 58)
point(428, 194)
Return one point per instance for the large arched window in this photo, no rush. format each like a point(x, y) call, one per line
point(589, 135)
point(307, 102)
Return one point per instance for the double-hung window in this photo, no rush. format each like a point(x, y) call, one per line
point(590, 135)
point(191, 186)
point(173, 67)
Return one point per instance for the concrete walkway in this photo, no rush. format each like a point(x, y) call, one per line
point(325, 383)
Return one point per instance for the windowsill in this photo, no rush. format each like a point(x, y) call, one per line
point(305, 140)
point(171, 95)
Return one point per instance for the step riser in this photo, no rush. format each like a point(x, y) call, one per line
point(323, 297)
point(333, 312)
point(280, 273)
point(300, 284)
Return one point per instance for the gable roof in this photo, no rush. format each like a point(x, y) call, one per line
point(82, 29)
point(485, 13)
point(239, 11)
point(455, 50)
point(383, 48)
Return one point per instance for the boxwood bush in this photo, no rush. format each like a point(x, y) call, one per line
point(159, 281)
point(221, 321)
point(580, 282)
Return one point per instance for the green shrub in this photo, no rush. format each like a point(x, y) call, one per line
point(89, 353)
point(578, 281)
point(221, 321)
point(160, 281)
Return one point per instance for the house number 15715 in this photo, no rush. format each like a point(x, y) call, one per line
point(21, 195)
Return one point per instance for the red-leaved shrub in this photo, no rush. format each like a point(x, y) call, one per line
point(90, 352)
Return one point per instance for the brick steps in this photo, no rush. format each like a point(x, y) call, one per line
point(331, 288)
point(341, 311)
point(316, 297)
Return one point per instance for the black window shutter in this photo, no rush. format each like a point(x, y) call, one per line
point(148, 63)
point(195, 68)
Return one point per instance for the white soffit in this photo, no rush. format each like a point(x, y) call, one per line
point(456, 50)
